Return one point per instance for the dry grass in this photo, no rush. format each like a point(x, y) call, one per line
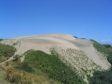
point(21, 77)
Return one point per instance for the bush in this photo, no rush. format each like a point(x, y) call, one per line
point(102, 77)
point(1, 39)
point(6, 51)
point(107, 45)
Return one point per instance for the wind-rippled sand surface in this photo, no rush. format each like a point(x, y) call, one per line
point(60, 42)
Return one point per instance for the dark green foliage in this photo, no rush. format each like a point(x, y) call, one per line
point(1, 39)
point(25, 67)
point(6, 51)
point(107, 45)
point(52, 66)
point(104, 77)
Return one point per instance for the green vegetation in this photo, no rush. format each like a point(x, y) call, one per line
point(103, 77)
point(1, 39)
point(6, 51)
point(51, 65)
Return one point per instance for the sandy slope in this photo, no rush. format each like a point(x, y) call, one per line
point(59, 41)
point(91, 52)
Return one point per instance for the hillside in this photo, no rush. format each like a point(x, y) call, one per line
point(53, 59)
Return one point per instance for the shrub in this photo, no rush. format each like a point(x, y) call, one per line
point(6, 51)
point(1, 39)
point(101, 77)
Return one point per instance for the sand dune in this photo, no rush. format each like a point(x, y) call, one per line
point(60, 42)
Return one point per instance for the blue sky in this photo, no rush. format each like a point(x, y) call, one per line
point(82, 18)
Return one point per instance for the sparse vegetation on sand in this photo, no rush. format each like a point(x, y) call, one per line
point(105, 49)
